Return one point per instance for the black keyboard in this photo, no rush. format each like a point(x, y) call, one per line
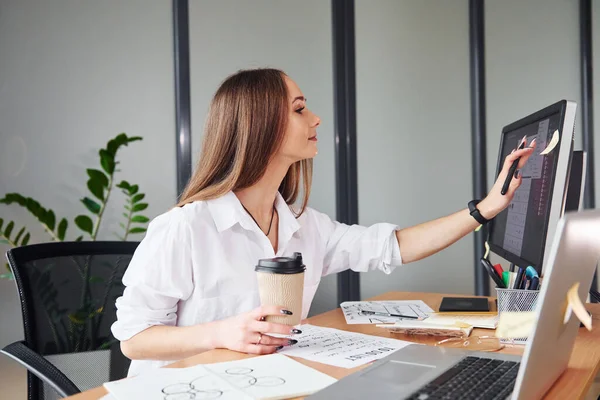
point(473, 378)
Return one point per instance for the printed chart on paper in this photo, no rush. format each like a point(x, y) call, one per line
point(353, 311)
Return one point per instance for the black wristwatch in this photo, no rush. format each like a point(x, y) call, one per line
point(475, 212)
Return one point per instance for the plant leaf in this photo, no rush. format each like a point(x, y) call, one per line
point(50, 219)
point(112, 146)
point(98, 176)
point(121, 138)
point(9, 229)
point(10, 198)
point(139, 207)
point(138, 197)
point(84, 223)
point(34, 208)
point(107, 161)
point(25, 240)
point(137, 230)
point(3, 241)
point(1, 222)
point(124, 185)
point(134, 139)
point(19, 235)
point(122, 225)
point(79, 239)
point(91, 205)
point(96, 188)
point(126, 215)
point(133, 189)
point(140, 219)
point(62, 229)
point(96, 279)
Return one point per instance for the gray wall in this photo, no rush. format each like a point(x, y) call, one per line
point(414, 156)
point(289, 35)
point(530, 64)
point(74, 74)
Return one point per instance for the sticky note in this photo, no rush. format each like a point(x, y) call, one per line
point(576, 306)
point(487, 250)
point(552, 144)
point(515, 324)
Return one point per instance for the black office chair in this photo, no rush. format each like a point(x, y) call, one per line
point(68, 292)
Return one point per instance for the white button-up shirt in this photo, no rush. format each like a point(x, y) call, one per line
point(196, 263)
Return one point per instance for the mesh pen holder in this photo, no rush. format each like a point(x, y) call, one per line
point(516, 300)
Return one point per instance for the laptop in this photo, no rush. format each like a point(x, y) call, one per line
point(429, 372)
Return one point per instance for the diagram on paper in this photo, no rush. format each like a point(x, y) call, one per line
point(340, 348)
point(271, 376)
point(353, 311)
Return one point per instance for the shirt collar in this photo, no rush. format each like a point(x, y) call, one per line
point(227, 210)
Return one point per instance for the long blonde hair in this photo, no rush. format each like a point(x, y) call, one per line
point(244, 129)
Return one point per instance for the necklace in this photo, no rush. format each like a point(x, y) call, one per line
point(270, 223)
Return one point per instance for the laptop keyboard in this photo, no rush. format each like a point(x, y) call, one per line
point(473, 378)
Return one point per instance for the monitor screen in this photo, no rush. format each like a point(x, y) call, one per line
point(520, 230)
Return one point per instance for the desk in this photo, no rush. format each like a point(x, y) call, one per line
point(574, 383)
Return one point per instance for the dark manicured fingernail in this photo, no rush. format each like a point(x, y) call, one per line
point(278, 348)
point(517, 172)
point(296, 331)
point(286, 312)
point(292, 342)
point(263, 318)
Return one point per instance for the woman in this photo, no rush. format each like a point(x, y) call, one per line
point(191, 284)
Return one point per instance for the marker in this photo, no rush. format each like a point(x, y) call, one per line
point(535, 281)
point(492, 272)
point(382, 314)
point(498, 269)
point(531, 272)
point(512, 169)
point(506, 278)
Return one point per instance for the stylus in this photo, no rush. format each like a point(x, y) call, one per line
point(511, 171)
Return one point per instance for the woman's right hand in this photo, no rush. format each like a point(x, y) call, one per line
point(244, 332)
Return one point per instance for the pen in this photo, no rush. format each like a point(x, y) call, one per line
point(382, 314)
point(512, 169)
point(519, 278)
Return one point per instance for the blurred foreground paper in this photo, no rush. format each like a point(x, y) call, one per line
point(576, 306)
point(515, 324)
point(552, 144)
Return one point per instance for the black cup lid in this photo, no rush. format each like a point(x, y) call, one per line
point(282, 265)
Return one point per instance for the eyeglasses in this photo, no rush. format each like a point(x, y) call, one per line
point(476, 343)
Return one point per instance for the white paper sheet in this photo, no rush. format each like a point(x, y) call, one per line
point(268, 377)
point(272, 377)
point(352, 310)
point(175, 384)
point(340, 348)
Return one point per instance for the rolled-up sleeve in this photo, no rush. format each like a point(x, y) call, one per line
point(158, 277)
point(358, 248)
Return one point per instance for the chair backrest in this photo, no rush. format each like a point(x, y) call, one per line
point(68, 292)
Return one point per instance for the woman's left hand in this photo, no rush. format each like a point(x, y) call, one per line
point(495, 201)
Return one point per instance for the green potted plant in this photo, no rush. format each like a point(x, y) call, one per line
point(76, 330)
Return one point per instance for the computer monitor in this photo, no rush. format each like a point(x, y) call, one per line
point(519, 233)
point(576, 185)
